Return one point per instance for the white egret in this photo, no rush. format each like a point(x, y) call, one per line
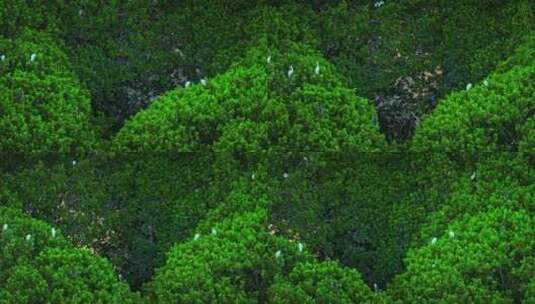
point(187, 84)
point(214, 231)
point(317, 69)
point(285, 175)
point(278, 254)
point(28, 237)
point(203, 82)
point(473, 176)
point(53, 232)
point(196, 237)
point(468, 86)
point(268, 59)
point(3, 57)
point(300, 247)
point(290, 71)
point(434, 241)
point(486, 83)
point(5, 227)
point(451, 234)
point(32, 57)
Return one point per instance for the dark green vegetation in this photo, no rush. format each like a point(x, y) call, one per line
point(267, 151)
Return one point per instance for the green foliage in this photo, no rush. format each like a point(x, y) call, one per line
point(475, 261)
point(286, 113)
point(499, 180)
point(70, 194)
point(325, 282)
point(40, 15)
point(157, 201)
point(486, 118)
point(37, 264)
point(67, 275)
point(265, 168)
point(50, 58)
point(236, 263)
point(22, 240)
point(42, 106)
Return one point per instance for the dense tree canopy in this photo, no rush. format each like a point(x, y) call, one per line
point(207, 151)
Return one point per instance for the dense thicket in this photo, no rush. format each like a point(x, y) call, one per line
point(267, 151)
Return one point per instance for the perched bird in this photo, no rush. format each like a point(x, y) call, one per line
point(486, 83)
point(451, 234)
point(268, 59)
point(375, 287)
point(253, 176)
point(300, 247)
point(74, 162)
point(28, 237)
point(196, 237)
point(278, 254)
point(317, 69)
point(290, 71)
point(203, 81)
point(468, 86)
point(80, 12)
point(379, 3)
point(3, 57)
point(32, 57)
point(473, 176)
point(285, 175)
point(214, 232)
point(53, 232)
point(4, 227)
point(187, 84)
point(434, 241)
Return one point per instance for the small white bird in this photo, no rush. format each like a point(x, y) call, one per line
point(187, 84)
point(486, 83)
point(196, 237)
point(28, 237)
point(379, 3)
point(375, 287)
point(80, 12)
point(285, 175)
point(317, 69)
point(300, 247)
point(468, 86)
point(290, 71)
point(214, 232)
point(3, 57)
point(451, 234)
point(74, 162)
point(53, 232)
point(278, 254)
point(203, 82)
point(268, 59)
point(32, 57)
point(473, 176)
point(433, 241)
point(5, 227)
point(253, 176)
